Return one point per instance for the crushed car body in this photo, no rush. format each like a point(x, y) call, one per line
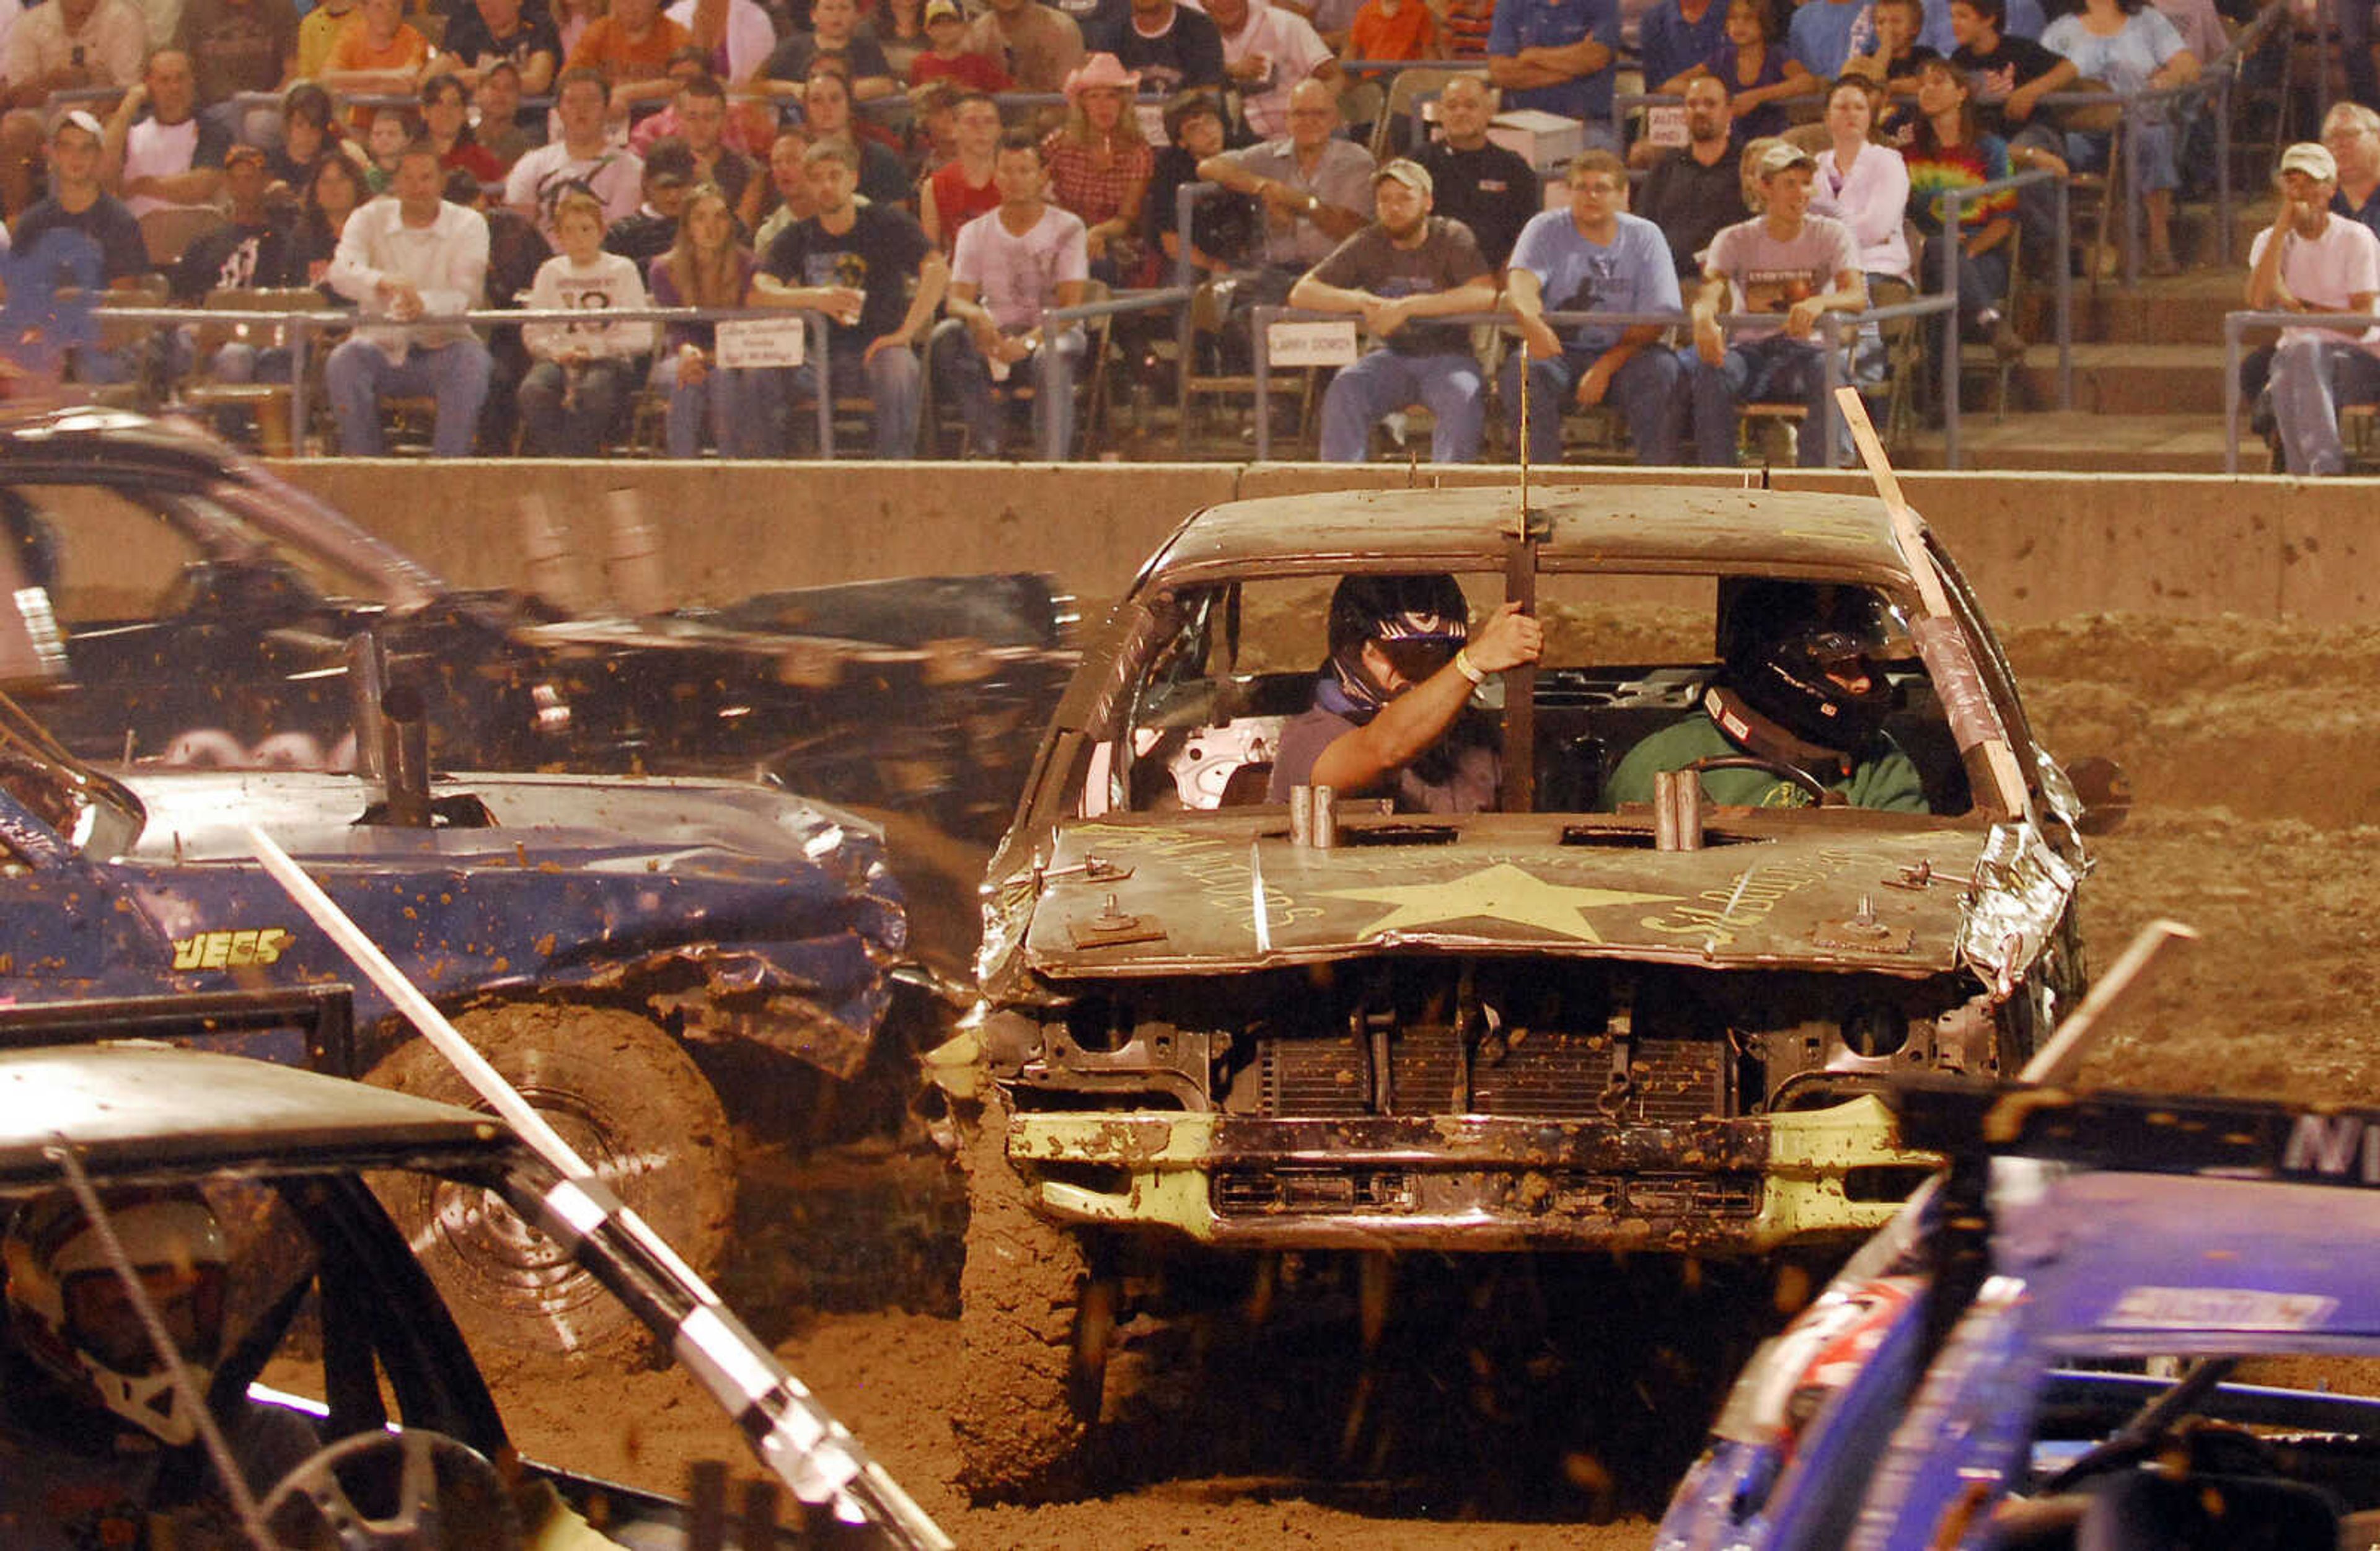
point(1974, 1376)
point(1214, 1020)
point(302, 1172)
point(923, 694)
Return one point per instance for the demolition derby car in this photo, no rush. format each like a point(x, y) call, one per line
point(206, 606)
point(1974, 1378)
point(654, 962)
point(344, 1389)
point(1215, 1022)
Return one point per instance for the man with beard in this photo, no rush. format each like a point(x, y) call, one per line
point(1800, 688)
point(1406, 267)
point(855, 263)
point(1696, 189)
point(1594, 258)
point(1391, 712)
point(2313, 261)
point(1489, 188)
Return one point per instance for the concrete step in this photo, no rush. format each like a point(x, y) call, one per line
point(2126, 379)
point(2183, 308)
point(2086, 444)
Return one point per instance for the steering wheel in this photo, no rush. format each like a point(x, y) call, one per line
point(441, 1495)
point(1792, 775)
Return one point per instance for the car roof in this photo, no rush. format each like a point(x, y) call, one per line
point(146, 1107)
point(1701, 529)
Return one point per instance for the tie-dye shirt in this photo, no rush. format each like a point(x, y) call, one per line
point(1933, 172)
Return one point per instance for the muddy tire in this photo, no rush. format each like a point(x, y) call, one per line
point(1025, 1406)
point(634, 1105)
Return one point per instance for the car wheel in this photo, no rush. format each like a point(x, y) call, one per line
point(631, 1102)
point(1032, 1345)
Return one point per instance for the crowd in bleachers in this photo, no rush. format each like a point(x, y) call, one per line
point(930, 180)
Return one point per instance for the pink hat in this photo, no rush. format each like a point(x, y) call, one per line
point(1099, 70)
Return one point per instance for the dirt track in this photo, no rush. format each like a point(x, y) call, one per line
point(2254, 763)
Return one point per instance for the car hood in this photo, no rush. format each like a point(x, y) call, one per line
point(1130, 896)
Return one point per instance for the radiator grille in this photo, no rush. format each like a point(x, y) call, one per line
point(1549, 1075)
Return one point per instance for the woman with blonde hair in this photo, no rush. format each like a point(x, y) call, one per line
point(707, 267)
point(1099, 164)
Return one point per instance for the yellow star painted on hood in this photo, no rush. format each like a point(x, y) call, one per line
point(1502, 892)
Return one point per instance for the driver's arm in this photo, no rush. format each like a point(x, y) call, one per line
point(1362, 757)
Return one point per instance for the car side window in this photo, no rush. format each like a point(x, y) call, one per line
point(102, 556)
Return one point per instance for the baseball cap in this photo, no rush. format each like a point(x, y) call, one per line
point(245, 153)
point(944, 10)
point(88, 122)
point(2313, 160)
point(1412, 174)
point(1784, 154)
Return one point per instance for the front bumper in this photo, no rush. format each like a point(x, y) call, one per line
point(1473, 1183)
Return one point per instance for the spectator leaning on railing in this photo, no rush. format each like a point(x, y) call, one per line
point(405, 258)
point(78, 204)
point(1405, 268)
point(2310, 260)
point(1785, 262)
point(1019, 258)
point(1223, 226)
point(377, 52)
point(1949, 151)
point(1316, 188)
point(631, 46)
point(869, 269)
point(1594, 257)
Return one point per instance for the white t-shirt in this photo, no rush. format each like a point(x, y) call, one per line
point(614, 175)
point(611, 282)
point(154, 149)
point(2328, 271)
point(113, 41)
point(1295, 51)
point(1015, 277)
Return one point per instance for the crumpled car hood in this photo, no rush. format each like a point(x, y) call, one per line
point(1127, 897)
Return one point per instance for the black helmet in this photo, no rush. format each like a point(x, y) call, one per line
point(1424, 615)
point(1781, 639)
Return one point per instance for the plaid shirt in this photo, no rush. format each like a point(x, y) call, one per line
point(1091, 192)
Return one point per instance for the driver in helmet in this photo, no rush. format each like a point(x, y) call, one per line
point(1388, 715)
point(94, 1437)
point(1800, 688)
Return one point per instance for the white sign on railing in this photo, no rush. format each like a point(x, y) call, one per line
point(1330, 343)
point(1665, 123)
point(762, 342)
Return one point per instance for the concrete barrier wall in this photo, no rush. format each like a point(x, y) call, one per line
point(2035, 546)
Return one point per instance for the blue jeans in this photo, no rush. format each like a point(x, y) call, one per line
point(360, 375)
point(1645, 391)
point(2311, 378)
point(893, 381)
point(1383, 381)
point(1756, 370)
point(744, 409)
point(1982, 277)
point(563, 418)
point(961, 370)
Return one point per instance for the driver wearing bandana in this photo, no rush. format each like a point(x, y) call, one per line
point(1800, 688)
point(1392, 711)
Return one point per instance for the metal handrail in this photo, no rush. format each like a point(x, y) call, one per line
point(1839, 328)
point(1121, 302)
point(2062, 279)
point(2238, 323)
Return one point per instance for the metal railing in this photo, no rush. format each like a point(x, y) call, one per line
point(1840, 330)
point(2345, 325)
point(2062, 279)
